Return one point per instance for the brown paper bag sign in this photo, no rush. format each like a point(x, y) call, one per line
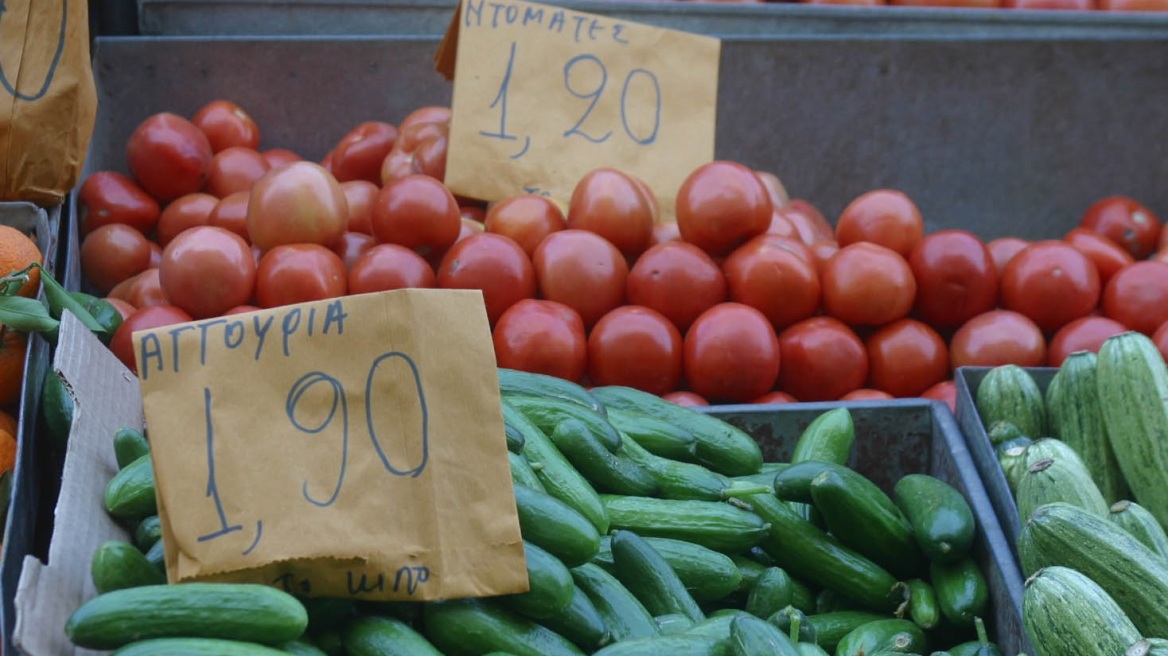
point(543, 95)
point(351, 447)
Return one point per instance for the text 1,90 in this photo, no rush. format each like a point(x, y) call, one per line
point(591, 67)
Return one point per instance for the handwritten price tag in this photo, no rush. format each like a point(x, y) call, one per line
point(543, 95)
point(351, 447)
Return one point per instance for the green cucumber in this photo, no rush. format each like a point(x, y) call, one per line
point(980, 647)
point(712, 524)
point(129, 495)
point(624, 615)
point(523, 474)
point(887, 635)
point(468, 627)
point(196, 647)
point(685, 481)
point(1136, 520)
point(707, 574)
point(385, 636)
point(770, 594)
point(941, 519)
point(810, 649)
point(831, 627)
point(1057, 479)
point(656, 436)
point(117, 565)
point(1002, 431)
point(1008, 392)
point(328, 612)
point(550, 585)
point(156, 555)
point(786, 618)
point(750, 636)
point(794, 483)
point(923, 608)
point(749, 569)
point(330, 642)
point(681, 644)
point(513, 382)
point(548, 413)
point(553, 525)
point(605, 470)
point(56, 410)
point(961, 589)
point(300, 647)
point(147, 532)
point(828, 438)
point(129, 445)
point(673, 623)
point(515, 439)
point(650, 578)
point(231, 611)
point(1065, 612)
point(580, 622)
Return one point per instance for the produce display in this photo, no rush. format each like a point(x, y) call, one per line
point(648, 528)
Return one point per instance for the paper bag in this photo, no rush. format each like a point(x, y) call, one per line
point(48, 102)
point(350, 447)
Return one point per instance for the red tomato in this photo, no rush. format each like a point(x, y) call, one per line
point(420, 150)
point(809, 222)
point(1133, 5)
point(867, 284)
point(956, 278)
point(155, 254)
point(525, 219)
point(1160, 338)
point(884, 216)
point(945, 391)
point(121, 343)
point(169, 156)
point(436, 114)
point(1052, 283)
point(685, 398)
point(722, 205)
point(417, 212)
point(235, 169)
point(1137, 296)
point(389, 266)
point(615, 206)
point(146, 290)
point(636, 347)
point(542, 337)
point(1003, 249)
point(107, 197)
point(1126, 222)
point(123, 307)
point(822, 251)
point(866, 394)
point(182, 213)
point(677, 279)
point(973, 4)
point(298, 203)
point(359, 154)
point(997, 337)
point(241, 309)
point(359, 196)
point(582, 270)
point(1084, 334)
point(665, 231)
point(1107, 256)
point(774, 397)
point(296, 273)
point(226, 124)
point(1073, 5)
point(822, 360)
point(782, 226)
point(775, 189)
point(112, 253)
point(776, 276)
point(474, 212)
point(230, 213)
point(905, 358)
point(278, 156)
point(207, 271)
point(731, 354)
point(352, 246)
point(494, 264)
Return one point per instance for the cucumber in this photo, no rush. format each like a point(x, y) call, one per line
point(129, 445)
point(941, 519)
point(157, 556)
point(1136, 520)
point(513, 382)
point(550, 585)
point(468, 627)
point(231, 611)
point(831, 627)
point(650, 578)
point(560, 479)
point(716, 627)
point(300, 648)
point(514, 437)
point(961, 589)
point(810, 649)
point(712, 524)
point(1021, 441)
point(980, 647)
point(1002, 431)
point(828, 438)
point(1012, 460)
point(117, 565)
point(673, 623)
point(196, 647)
point(580, 622)
point(623, 614)
point(721, 447)
point(1065, 612)
point(523, 474)
point(385, 636)
point(330, 642)
point(749, 570)
point(685, 481)
point(656, 436)
point(1057, 479)
point(1075, 416)
point(750, 636)
point(553, 525)
point(1008, 392)
point(1148, 647)
point(770, 594)
point(605, 470)
point(548, 413)
point(129, 495)
point(1059, 534)
point(707, 574)
point(886, 635)
point(147, 532)
point(923, 608)
point(56, 410)
point(329, 612)
point(674, 645)
point(786, 618)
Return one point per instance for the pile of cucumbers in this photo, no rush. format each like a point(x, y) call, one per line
point(649, 529)
point(1087, 462)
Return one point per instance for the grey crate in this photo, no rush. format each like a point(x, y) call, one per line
point(895, 438)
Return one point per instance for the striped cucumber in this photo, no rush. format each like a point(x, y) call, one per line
point(1148, 647)
point(1064, 612)
point(1008, 392)
point(1058, 479)
point(1136, 519)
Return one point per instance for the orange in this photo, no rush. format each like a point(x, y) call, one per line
point(12, 348)
point(7, 451)
point(17, 252)
point(7, 422)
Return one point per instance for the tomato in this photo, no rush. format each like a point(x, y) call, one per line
point(774, 397)
point(278, 156)
point(241, 309)
point(359, 154)
point(1160, 338)
point(1073, 5)
point(420, 150)
point(722, 205)
point(1052, 283)
point(543, 337)
point(665, 231)
point(822, 251)
point(112, 253)
point(997, 337)
point(389, 266)
point(1133, 5)
point(615, 206)
point(417, 212)
point(956, 278)
point(866, 394)
point(352, 246)
point(1107, 256)
point(823, 359)
point(974, 4)
point(731, 354)
point(146, 290)
point(525, 219)
point(123, 307)
point(884, 216)
point(772, 275)
point(867, 284)
point(1126, 222)
point(430, 114)
point(298, 203)
point(296, 273)
point(677, 279)
point(155, 254)
point(1003, 249)
point(182, 213)
point(945, 391)
point(782, 226)
point(169, 156)
point(775, 189)
point(226, 124)
point(121, 344)
point(905, 358)
point(582, 270)
point(235, 169)
point(207, 271)
point(109, 197)
point(1137, 296)
point(809, 222)
point(1083, 334)
point(636, 347)
point(493, 263)
point(230, 213)
point(359, 196)
point(475, 213)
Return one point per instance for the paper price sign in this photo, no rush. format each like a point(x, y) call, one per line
point(543, 95)
point(350, 447)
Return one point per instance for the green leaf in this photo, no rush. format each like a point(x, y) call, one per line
point(105, 314)
point(26, 315)
point(60, 300)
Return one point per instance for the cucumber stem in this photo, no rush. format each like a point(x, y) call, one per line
point(982, 637)
point(795, 626)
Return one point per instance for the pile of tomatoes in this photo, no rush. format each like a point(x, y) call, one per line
point(748, 296)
